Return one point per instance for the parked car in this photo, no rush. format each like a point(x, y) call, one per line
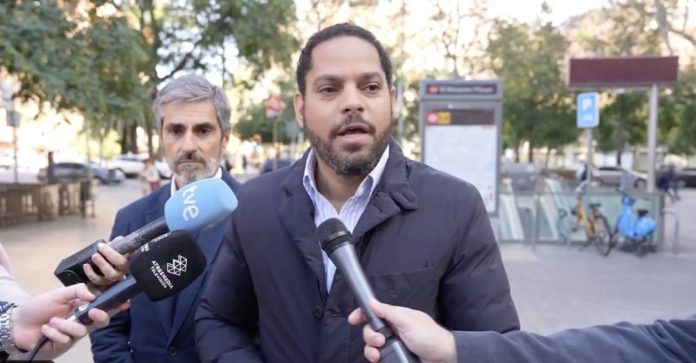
point(6, 160)
point(686, 177)
point(268, 165)
point(611, 176)
point(77, 171)
point(523, 176)
point(131, 165)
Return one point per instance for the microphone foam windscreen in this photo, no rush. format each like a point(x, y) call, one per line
point(166, 267)
point(199, 205)
point(332, 233)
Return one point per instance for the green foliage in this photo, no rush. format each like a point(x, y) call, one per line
point(537, 106)
point(254, 120)
point(677, 115)
point(187, 34)
point(46, 53)
point(628, 111)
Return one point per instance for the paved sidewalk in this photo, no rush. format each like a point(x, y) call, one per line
point(553, 287)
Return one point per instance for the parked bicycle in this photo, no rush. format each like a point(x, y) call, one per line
point(634, 234)
point(597, 229)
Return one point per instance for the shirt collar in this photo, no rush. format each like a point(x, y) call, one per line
point(173, 188)
point(372, 179)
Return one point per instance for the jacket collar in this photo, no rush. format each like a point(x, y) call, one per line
point(392, 195)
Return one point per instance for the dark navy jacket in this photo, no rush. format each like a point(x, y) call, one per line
point(424, 241)
point(152, 332)
point(671, 341)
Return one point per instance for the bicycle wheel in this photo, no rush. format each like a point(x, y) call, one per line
point(603, 237)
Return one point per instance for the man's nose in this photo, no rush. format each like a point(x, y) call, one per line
point(188, 143)
point(352, 100)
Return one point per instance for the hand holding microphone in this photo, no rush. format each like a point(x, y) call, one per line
point(161, 269)
point(419, 332)
point(336, 242)
point(195, 207)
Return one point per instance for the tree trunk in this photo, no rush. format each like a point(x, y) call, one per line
point(517, 151)
point(548, 155)
point(133, 138)
point(148, 130)
point(620, 132)
point(124, 140)
point(530, 152)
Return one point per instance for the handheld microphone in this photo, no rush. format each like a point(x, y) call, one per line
point(197, 206)
point(161, 269)
point(336, 242)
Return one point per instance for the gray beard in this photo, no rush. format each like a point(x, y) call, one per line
point(190, 174)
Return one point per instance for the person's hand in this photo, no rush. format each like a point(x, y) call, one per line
point(421, 335)
point(112, 265)
point(43, 315)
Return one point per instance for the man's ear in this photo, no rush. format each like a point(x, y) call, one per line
point(298, 103)
point(225, 140)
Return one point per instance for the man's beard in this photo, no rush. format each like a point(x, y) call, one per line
point(349, 165)
point(189, 173)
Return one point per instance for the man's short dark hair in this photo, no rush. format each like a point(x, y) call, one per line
point(335, 31)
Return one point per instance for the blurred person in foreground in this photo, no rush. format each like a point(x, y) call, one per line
point(659, 342)
point(423, 237)
point(193, 117)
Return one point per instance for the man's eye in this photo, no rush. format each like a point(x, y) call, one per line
point(328, 90)
point(205, 131)
point(372, 87)
point(175, 131)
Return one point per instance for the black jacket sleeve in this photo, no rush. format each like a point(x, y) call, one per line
point(662, 341)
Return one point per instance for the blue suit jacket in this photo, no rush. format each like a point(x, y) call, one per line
point(671, 341)
point(151, 332)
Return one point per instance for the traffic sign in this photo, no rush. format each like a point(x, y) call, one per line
point(274, 107)
point(587, 110)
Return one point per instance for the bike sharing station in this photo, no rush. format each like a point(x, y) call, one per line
point(641, 229)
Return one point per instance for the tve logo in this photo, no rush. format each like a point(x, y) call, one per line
point(190, 208)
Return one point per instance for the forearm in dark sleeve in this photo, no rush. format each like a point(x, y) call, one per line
point(664, 342)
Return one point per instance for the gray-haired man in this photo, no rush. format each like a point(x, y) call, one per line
point(193, 118)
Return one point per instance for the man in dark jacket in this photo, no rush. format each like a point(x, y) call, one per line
point(423, 237)
point(671, 341)
point(194, 121)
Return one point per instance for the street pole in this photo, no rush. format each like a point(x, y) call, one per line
point(275, 139)
point(652, 138)
point(589, 163)
point(14, 141)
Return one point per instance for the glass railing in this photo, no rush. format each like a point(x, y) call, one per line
point(544, 214)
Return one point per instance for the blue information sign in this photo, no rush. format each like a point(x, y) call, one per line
point(588, 110)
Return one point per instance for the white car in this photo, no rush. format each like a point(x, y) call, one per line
point(131, 165)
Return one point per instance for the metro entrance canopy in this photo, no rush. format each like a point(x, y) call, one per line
point(628, 72)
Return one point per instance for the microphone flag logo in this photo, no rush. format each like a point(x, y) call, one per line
point(177, 266)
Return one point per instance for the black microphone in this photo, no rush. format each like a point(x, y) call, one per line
point(335, 241)
point(195, 207)
point(161, 269)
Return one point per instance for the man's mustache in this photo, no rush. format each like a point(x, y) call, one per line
point(350, 120)
point(189, 158)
